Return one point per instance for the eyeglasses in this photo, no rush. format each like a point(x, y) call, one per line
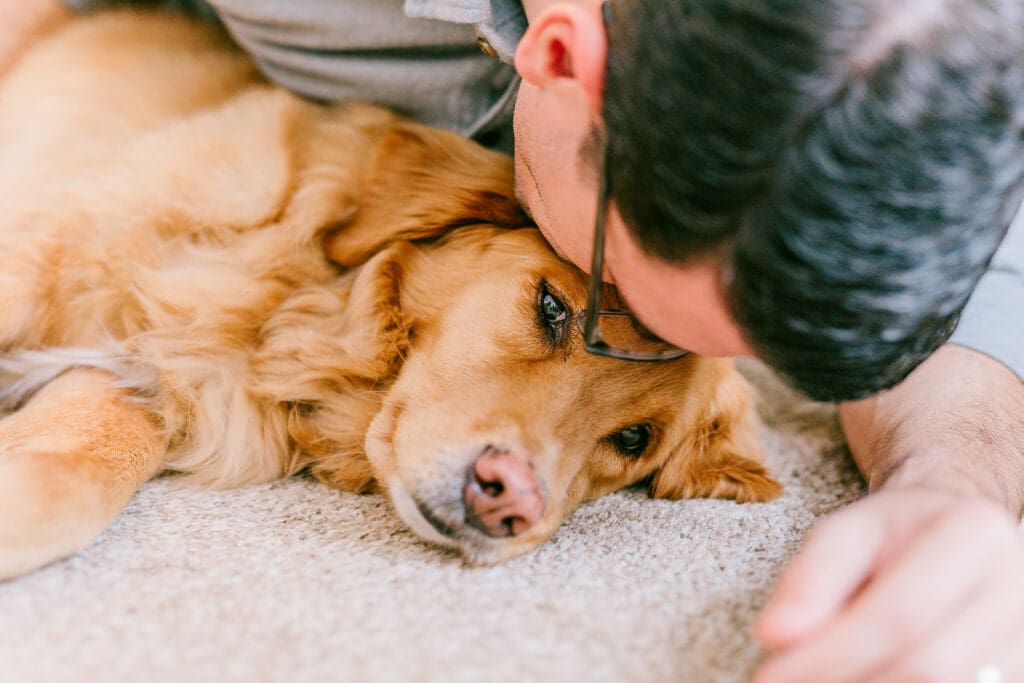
point(614, 332)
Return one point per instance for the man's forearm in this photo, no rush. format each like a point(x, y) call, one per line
point(23, 20)
point(957, 423)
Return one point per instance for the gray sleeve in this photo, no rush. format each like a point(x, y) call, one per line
point(993, 320)
point(428, 65)
point(195, 7)
point(499, 22)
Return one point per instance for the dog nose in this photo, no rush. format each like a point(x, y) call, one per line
point(502, 495)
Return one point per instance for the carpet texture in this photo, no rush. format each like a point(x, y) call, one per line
point(293, 582)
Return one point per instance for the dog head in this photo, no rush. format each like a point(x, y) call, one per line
point(499, 423)
point(489, 421)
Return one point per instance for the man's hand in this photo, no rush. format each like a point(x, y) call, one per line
point(923, 580)
point(23, 20)
point(905, 585)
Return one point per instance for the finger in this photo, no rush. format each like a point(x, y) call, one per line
point(838, 555)
point(988, 633)
point(904, 602)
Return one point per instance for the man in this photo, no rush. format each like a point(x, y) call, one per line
point(824, 182)
point(818, 183)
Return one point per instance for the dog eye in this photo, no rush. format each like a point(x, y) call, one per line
point(552, 310)
point(551, 313)
point(632, 440)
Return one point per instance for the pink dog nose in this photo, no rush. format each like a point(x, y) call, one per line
point(502, 494)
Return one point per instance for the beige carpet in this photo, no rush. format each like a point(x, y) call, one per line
point(297, 583)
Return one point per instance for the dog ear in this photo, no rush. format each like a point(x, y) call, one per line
point(720, 459)
point(328, 353)
point(421, 183)
point(332, 336)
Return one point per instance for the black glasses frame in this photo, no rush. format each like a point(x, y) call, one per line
point(588, 318)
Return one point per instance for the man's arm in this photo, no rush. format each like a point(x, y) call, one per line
point(23, 20)
point(921, 579)
point(956, 424)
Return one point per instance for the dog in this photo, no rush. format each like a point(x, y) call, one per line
point(201, 273)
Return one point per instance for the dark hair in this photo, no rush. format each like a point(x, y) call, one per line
point(857, 162)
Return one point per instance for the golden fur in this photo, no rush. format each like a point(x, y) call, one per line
point(204, 274)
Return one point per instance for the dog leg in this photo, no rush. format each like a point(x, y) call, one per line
point(70, 459)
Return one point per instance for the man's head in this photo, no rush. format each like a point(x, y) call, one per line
point(819, 184)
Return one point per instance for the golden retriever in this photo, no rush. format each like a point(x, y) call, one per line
point(203, 274)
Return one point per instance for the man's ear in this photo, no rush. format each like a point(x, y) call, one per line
point(566, 41)
point(720, 459)
point(421, 183)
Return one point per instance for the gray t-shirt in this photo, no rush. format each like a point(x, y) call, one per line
point(448, 63)
point(993, 320)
